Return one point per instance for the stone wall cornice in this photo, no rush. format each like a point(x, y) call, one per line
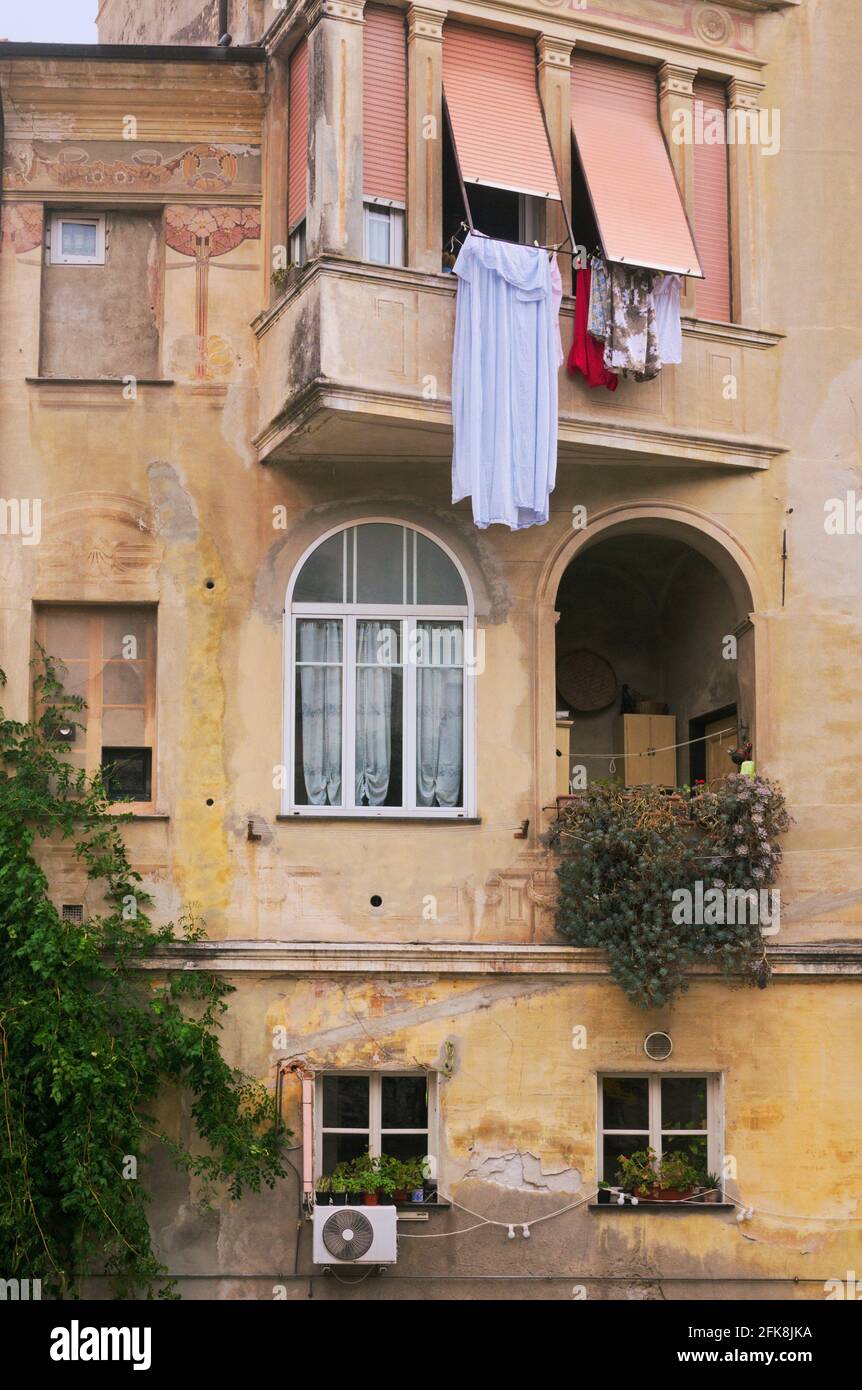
point(820, 960)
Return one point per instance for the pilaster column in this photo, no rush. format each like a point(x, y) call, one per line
point(275, 169)
point(555, 93)
point(334, 216)
point(676, 113)
point(745, 155)
point(424, 138)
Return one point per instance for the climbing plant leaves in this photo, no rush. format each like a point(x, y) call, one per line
point(627, 856)
point(91, 1042)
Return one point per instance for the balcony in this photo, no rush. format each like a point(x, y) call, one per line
point(355, 361)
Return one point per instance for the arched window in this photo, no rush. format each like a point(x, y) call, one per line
point(379, 694)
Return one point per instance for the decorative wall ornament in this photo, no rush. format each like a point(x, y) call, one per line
point(107, 165)
point(21, 227)
point(93, 538)
point(712, 25)
point(205, 233)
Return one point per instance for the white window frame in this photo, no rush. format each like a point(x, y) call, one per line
point(409, 615)
point(652, 1136)
point(531, 218)
point(58, 219)
point(383, 209)
point(296, 244)
point(375, 1111)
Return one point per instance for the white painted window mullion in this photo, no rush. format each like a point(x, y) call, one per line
point(375, 1101)
point(348, 721)
point(410, 714)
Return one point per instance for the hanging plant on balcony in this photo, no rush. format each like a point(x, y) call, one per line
point(663, 882)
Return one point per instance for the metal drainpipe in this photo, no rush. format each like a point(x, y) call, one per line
point(223, 18)
point(306, 1077)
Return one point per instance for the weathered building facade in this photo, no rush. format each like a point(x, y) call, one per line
point(225, 379)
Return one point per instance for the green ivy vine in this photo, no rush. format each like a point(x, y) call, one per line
point(623, 853)
point(89, 1040)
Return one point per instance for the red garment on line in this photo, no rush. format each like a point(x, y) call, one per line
point(587, 353)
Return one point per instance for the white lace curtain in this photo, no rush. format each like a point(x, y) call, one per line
point(440, 716)
point(376, 649)
point(378, 745)
point(320, 641)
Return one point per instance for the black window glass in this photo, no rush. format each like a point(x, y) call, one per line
point(404, 1102)
point(626, 1103)
point(345, 1102)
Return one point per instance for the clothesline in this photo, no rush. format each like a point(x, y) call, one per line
point(650, 752)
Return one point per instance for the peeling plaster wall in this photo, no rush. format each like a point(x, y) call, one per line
point(105, 320)
point(517, 1139)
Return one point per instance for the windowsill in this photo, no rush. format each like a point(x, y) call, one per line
point(96, 381)
point(662, 1206)
point(298, 816)
point(118, 809)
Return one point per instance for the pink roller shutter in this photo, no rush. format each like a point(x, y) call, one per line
point(490, 84)
point(297, 133)
point(636, 199)
point(384, 114)
point(711, 211)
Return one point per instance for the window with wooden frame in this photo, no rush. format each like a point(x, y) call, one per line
point(107, 656)
point(678, 1113)
point(392, 1113)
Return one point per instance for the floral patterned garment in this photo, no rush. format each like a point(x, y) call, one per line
point(600, 300)
point(631, 344)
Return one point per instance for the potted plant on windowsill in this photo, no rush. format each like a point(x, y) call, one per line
point(364, 1174)
point(338, 1186)
point(399, 1173)
point(671, 1178)
point(710, 1189)
point(603, 1196)
point(636, 1172)
point(323, 1191)
point(413, 1177)
point(677, 1179)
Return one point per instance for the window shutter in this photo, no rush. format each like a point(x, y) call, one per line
point(384, 114)
point(490, 84)
point(711, 211)
point(297, 137)
point(635, 196)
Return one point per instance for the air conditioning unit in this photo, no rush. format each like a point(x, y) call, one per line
point(355, 1235)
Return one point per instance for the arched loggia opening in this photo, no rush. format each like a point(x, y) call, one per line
point(654, 660)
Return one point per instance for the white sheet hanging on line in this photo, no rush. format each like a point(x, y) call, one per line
point(667, 320)
point(504, 383)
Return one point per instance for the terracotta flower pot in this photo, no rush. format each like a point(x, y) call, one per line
point(401, 1194)
point(371, 1199)
point(668, 1194)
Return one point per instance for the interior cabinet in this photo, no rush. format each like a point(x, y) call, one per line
point(564, 733)
point(634, 735)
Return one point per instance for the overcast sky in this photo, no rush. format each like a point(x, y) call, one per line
point(49, 21)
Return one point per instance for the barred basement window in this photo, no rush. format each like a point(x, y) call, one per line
point(72, 912)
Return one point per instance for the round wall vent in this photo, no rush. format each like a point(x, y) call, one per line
point(658, 1046)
